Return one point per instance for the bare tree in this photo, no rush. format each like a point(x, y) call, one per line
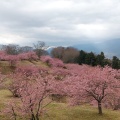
point(40, 48)
point(70, 55)
point(67, 55)
point(58, 52)
point(11, 49)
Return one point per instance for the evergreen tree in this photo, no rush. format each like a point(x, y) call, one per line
point(90, 59)
point(81, 58)
point(115, 62)
point(100, 59)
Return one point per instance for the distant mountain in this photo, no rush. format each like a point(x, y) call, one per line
point(109, 47)
point(88, 47)
point(50, 48)
point(1, 46)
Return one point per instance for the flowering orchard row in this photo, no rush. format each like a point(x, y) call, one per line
point(22, 56)
point(12, 59)
point(78, 83)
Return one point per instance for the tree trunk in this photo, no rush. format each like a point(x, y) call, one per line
point(32, 117)
point(37, 116)
point(14, 113)
point(99, 108)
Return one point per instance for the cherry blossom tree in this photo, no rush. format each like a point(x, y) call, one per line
point(22, 73)
point(47, 59)
point(92, 83)
point(12, 59)
point(53, 62)
point(60, 73)
point(33, 85)
point(114, 100)
point(28, 56)
point(2, 55)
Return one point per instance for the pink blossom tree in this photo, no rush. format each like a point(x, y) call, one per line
point(32, 56)
point(113, 101)
point(52, 62)
point(23, 56)
point(22, 73)
point(60, 73)
point(28, 56)
point(93, 84)
point(2, 55)
point(12, 59)
point(33, 85)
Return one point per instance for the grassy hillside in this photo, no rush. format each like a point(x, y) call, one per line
point(61, 111)
point(55, 111)
point(5, 67)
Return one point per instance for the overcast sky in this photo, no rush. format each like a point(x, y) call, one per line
point(58, 21)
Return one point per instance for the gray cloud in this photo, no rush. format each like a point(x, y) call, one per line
point(56, 21)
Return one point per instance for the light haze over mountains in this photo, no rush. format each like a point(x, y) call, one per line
point(91, 25)
point(109, 47)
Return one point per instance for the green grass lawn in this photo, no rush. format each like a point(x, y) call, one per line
point(61, 111)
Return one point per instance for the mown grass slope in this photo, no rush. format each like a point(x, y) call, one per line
point(56, 111)
point(61, 111)
point(6, 69)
